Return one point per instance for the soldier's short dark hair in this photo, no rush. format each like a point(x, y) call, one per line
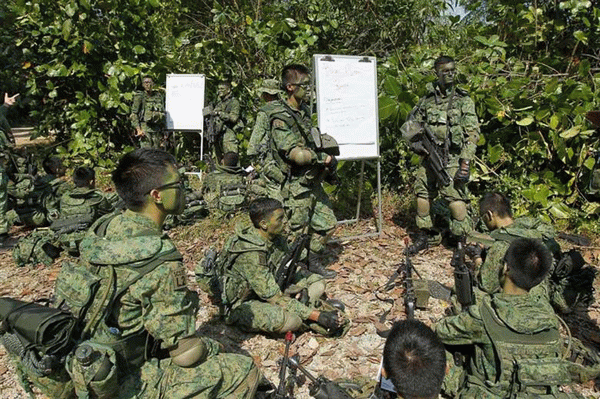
point(53, 165)
point(231, 158)
point(262, 208)
point(497, 203)
point(140, 171)
point(83, 175)
point(528, 262)
point(291, 74)
point(441, 60)
point(414, 359)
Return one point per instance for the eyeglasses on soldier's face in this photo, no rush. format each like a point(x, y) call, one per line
point(303, 85)
point(176, 184)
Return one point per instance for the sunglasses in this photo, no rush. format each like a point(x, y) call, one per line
point(176, 184)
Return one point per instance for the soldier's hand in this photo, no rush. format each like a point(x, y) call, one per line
point(463, 173)
point(473, 251)
point(8, 101)
point(330, 320)
point(418, 148)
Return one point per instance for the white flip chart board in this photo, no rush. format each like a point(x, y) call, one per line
point(184, 102)
point(347, 103)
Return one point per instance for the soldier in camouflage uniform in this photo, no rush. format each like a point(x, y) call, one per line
point(566, 286)
point(6, 142)
point(227, 114)
point(156, 310)
point(37, 199)
point(450, 115)
point(258, 144)
point(294, 165)
point(517, 345)
point(148, 114)
point(253, 298)
point(225, 187)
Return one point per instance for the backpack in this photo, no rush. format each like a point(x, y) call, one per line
point(37, 247)
point(232, 197)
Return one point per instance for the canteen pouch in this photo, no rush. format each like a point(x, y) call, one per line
point(93, 368)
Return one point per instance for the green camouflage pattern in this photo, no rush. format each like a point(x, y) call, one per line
point(228, 122)
point(4, 223)
point(524, 315)
point(225, 189)
point(38, 247)
point(160, 304)
point(255, 301)
point(148, 113)
point(259, 143)
point(301, 185)
point(453, 121)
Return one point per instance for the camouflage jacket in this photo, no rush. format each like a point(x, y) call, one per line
point(516, 341)
point(230, 111)
point(160, 302)
point(148, 109)
point(450, 118)
point(289, 129)
point(523, 227)
point(258, 145)
point(250, 275)
point(83, 202)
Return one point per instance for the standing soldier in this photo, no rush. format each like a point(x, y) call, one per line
point(446, 119)
point(297, 166)
point(259, 140)
point(148, 114)
point(222, 139)
point(6, 142)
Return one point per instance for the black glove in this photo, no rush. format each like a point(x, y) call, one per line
point(463, 173)
point(418, 148)
point(329, 320)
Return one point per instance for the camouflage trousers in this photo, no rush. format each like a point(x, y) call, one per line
point(257, 315)
point(3, 199)
point(309, 206)
point(153, 137)
point(228, 143)
point(225, 375)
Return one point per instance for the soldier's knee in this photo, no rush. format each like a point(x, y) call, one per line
point(459, 210)
point(315, 291)
point(291, 322)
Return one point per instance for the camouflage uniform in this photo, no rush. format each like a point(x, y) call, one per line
point(79, 208)
point(226, 125)
point(6, 141)
point(453, 121)
point(148, 113)
point(301, 187)
point(37, 201)
point(250, 282)
point(225, 188)
point(158, 307)
point(517, 348)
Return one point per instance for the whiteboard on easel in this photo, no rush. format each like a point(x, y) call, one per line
point(347, 103)
point(184, 102)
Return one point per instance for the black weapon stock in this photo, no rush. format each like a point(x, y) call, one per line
point(409, 290)
point(289, 264)
point(463, 279)
point(435, 161)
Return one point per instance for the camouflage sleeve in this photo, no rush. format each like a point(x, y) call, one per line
point(253, 266)
point(135, 110)
point(168, 306)
point(463, 329)
point(489, 277)
point(233, 111)
point(258, 133)
point(285, 140)
point(470, 125)
point(4, 125)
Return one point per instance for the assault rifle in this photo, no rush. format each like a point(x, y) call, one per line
point(409, 289)
point(210, 121)
point(437, 163)
point(463, 279)
point(289, 264)
point(319, 388)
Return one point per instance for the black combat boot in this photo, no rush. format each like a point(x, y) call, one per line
point(424, 240)
point(315, 266)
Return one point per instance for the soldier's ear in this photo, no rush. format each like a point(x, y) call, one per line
point(263, 224)
point(156, 196)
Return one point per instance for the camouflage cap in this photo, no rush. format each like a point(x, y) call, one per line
point(270, 86)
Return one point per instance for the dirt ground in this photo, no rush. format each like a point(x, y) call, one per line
point(363, 267)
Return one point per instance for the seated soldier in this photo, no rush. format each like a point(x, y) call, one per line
point(517, 347)
point(79, 208)
point(225, 187)
point(37, 202)
point(566, 285)
point(150, 319)
point(414, 362)
point(252, 296)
